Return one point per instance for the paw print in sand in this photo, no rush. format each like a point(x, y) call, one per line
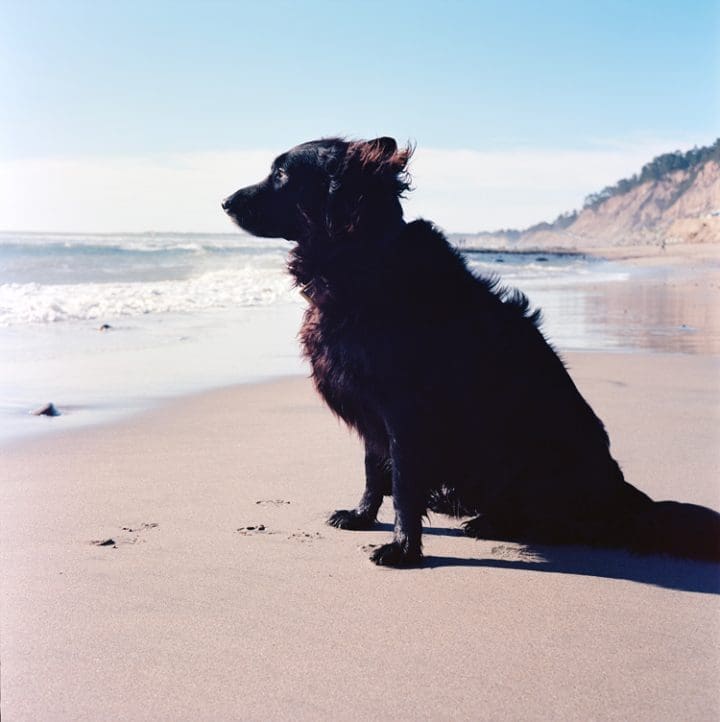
point(126, 535)
point(252, 529)
point(305, 536)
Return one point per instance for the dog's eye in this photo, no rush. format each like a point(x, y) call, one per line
point(279, 176)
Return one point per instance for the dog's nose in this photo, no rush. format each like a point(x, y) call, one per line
point(226, 203)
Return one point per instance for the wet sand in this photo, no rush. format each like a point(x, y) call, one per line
point(666, 301)
point(223, 595)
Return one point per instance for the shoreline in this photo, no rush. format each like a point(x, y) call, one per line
point(175, 403)
point(94, 377)
point(675, 253)
point(652, 254)
point(161, 404)
point(196, 612)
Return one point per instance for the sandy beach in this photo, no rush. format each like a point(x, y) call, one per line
point(202, 201)
point(190, 613)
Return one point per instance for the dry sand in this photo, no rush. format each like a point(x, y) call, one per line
point(186, 618)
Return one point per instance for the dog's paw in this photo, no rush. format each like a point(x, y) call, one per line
point(395, 554)
point(350, 519)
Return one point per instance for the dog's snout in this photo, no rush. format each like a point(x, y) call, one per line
point(227, 202)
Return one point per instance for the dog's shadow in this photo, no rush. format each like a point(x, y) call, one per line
point(658, 570)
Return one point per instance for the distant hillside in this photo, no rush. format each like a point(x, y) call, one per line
point(675, 198)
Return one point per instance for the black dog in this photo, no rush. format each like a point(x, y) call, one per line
point(462, 404)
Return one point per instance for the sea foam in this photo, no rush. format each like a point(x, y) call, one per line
point(28, 303)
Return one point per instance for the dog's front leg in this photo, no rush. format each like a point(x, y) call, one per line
point(409, 498)
point(378, 482)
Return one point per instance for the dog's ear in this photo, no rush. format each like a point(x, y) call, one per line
point(380, 156)
point(372, 174)
point(388, 145)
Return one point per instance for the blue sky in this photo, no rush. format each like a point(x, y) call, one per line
point(100, 95)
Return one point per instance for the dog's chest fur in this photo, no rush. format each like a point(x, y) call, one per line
point(345, 370)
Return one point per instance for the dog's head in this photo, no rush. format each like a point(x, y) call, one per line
point(328, 187)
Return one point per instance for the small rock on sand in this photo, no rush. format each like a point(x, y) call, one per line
point(46, 410)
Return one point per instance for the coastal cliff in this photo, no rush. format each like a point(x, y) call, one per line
point(674, 199)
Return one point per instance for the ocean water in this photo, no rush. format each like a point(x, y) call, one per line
point(50, 278)
point(103, 324)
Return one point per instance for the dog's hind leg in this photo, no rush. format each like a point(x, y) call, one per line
point(378, 482)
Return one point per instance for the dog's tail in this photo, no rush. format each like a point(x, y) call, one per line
point(672, 527)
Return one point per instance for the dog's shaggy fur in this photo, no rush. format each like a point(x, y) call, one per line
point(462, 404)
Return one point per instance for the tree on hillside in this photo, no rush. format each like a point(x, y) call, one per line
point(657, 169)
